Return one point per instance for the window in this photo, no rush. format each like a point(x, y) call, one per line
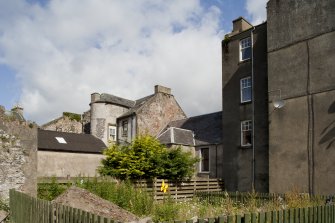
point(124, 128)
point(246, 89)
point(204, 160)
point(246, 133)
point(60, 140)
point(245, 49)
point(112, 133)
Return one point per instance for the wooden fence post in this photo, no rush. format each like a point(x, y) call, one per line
point(154, 188)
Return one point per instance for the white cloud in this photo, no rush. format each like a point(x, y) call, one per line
point(66, 50)
point(257, 10)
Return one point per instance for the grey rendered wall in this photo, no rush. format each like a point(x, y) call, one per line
point(215, 161)
point(301, 64)
point(236, 160)
point(290, 21)
point(103, 115)
point(62, 164)
point(18, 156)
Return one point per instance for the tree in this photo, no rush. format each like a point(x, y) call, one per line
point(146, 158)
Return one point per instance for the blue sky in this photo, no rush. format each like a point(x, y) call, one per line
point(54, 54)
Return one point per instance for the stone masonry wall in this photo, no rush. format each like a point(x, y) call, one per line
point(18, 156)
point(157, 113)
point(64, 124)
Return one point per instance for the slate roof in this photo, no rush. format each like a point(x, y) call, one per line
point(79, 143)
point(206, 128)
point(177, 136)
point(138, 105)
point(116, 100)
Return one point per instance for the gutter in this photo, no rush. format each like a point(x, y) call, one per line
point(253, 111)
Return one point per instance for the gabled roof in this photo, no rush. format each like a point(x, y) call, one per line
point(69, 142)
point(109, 98)
point(207, 128)
point(138, 105)
point(177, 136)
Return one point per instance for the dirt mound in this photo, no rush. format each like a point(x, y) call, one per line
point(82, 199)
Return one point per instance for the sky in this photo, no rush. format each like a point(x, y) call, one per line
point(55, 53)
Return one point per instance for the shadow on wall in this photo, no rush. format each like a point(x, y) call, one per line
point(329, 132)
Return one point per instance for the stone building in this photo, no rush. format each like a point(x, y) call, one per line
point(202, 136)
point(68, 122)
point(278, 99)
point(18, 153)
point(120, 120)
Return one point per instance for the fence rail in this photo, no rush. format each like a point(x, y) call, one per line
point(242, 197)
point(180, 190)
point(26, 209)
point(318, 214)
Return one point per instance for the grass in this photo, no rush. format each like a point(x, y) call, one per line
point(141, 203)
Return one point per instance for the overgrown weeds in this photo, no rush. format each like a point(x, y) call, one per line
point(142, 203)
point(49, 191)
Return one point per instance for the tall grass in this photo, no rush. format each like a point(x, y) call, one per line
point(141, 203)
point(121, 193)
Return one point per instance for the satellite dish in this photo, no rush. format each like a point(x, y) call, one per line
point(278, 103)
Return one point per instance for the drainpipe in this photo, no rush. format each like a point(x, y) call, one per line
point(253, 110)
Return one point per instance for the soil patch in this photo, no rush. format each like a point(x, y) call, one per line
point(82, 199)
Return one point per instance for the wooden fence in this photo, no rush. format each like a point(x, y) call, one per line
point(319, 214)
point(26, 209)
point(177, 190)
point(180, 190)
point(242, 197)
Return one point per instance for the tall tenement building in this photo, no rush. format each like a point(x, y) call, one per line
point(279, 99)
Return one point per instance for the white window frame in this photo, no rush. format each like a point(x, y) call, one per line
point(245, 83)
point(246, 126)
point(201, 158)
point(110, 128)
point(244, 44)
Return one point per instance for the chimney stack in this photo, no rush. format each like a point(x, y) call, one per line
point(240, 25)
point(162, 89)
point(95, 97)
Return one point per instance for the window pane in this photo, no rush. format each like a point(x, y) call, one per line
point(246, 94)
point(124, 128)
point(246, 89)
point(204, 166)
point(246, 133)
point(246, 53)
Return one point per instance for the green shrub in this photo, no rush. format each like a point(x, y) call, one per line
point(146, 158)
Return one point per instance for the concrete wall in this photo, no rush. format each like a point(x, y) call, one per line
point(301, 55)
point(236, 160)
point(18, 156)
point(296, 20)
point(157, 113)
point(103, 115)
point(62, 164)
